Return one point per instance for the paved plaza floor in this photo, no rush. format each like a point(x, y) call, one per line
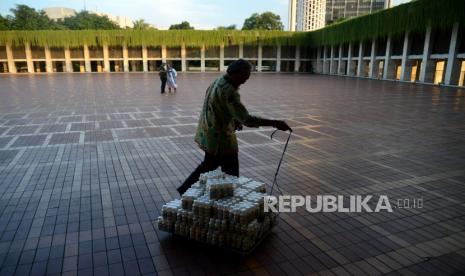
point(87, 161)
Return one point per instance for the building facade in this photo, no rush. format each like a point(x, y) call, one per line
point(122, 58)
point(343, 9)
point(57, 13)
point(433, 52)
point(292, 23)
point(433, 56)
point(122, 21)
point(309, 15)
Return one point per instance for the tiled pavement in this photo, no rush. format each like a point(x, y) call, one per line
point(87, 161)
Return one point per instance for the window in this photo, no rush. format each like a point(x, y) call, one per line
point(462, 74)
point(416, 64)
point(3, 67)
point(439, 71)
point(116, 66)
point(39, 66)
point(398, 70)
point(21, 67)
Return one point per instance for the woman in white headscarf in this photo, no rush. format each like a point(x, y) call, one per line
point(171, 74)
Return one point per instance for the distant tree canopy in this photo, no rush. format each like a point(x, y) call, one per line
point(27, 18)
point(264, 21)
point(140, 24)
point(84, 21)
point(230, 27)
point(4, 23)
point(183, 26)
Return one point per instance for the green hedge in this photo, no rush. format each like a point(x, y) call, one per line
point(151, 37)
point(414, 16)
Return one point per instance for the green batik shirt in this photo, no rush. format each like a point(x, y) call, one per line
point(222, 105)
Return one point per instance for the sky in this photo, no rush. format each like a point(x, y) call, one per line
point(202, 14)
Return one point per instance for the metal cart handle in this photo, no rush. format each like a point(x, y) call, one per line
point(275, 180)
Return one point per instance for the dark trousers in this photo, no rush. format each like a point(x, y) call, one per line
point(229, 164)
point(163, 84)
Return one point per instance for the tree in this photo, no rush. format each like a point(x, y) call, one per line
point(88, 21)
point(4, 23)
point(251, 22)
point(140, 24)
point(230, 27)
point(27, 18)
point(183, 26)
point(264, 21)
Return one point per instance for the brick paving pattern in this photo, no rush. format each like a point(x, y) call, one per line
point(87, 161)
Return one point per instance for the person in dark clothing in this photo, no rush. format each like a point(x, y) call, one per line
point(222, 114)
point(163, 77)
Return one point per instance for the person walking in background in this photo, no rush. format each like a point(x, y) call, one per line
point(163, 77)
point(171, 74)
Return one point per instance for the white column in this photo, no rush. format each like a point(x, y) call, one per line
point(202, 58)
point(278, 59)
point(145, 63)
point(183, 58)
point(425, 62)
point(222, 57)
point(87, 58)
point(48, 60)
point(241, 50)
point(387, 58)
point(360, 59)
point(106, 61)
point(68, 63)
point(452, 65)
point(339, 62)
point(324, 60)
point(372, 59)
point(30, 63)
point(259, 62)
point(10, 59)
point(163, 53)
point(125, 58)
point(318, 53)
point(403, 69)
point(349, 71)
point(297, 59)
point(331, 58)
